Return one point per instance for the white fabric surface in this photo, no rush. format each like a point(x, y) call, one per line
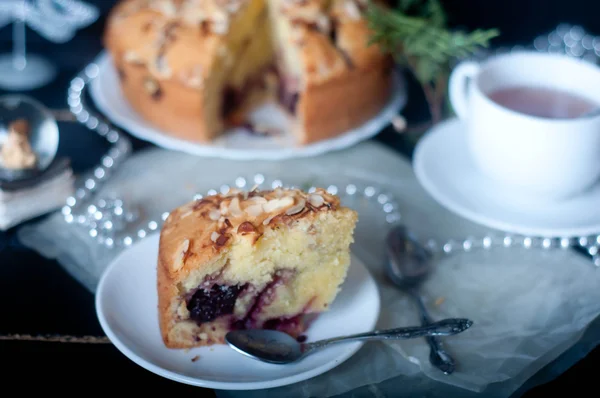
point(24, 204)
point(528, 306)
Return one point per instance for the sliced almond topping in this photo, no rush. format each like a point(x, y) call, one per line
point(268, 219)
point(214, 214)
point(323, 23)
point(152, 88)
point(220, 26)
point(167, 7)
point(214, 236)
point(297, 208)
point(257, 199)
point(181, 255)
point(193, 77)
point(222, 240)
point(132, 57)
point(234, 207)
point(161, 67)
point(246, 228)
point(352, 9)
point(316, 200)
point(187, 213)
point(193, 15)
point(254, 210)
point(276, 204)
point(224, 208)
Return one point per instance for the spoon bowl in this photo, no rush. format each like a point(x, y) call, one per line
point(408, 262)
point(268, 345)
point(43, 133)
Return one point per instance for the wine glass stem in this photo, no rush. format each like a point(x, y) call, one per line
point(19, 49)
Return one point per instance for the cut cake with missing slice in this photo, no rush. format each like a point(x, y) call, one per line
point(195, 68)
point(250, 260)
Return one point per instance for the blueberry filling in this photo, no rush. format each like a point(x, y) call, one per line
point(284, 324)
point(213, 300)
point(207, 305)
point(232, 99)
point(264, 298)
point(287, 98)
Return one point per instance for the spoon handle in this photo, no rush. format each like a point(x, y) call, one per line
point(438, 357)
point(445, 327)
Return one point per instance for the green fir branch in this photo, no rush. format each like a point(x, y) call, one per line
point(422, 38)
point(415, 34)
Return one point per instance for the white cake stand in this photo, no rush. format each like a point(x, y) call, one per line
point(235, 144)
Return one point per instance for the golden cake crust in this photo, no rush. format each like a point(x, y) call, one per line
point(348, 81)
point(175, 40)
point(165, 49)
point(197, 232)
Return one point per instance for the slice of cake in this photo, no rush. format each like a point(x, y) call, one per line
point(270, 259)
point(194, 68)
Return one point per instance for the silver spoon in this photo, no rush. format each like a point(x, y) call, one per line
point(277, 347)
point(43, 135)
point(408, 266)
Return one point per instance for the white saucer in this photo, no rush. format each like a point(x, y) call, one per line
point(126, 302)
point(236, 144)
point(446, 170)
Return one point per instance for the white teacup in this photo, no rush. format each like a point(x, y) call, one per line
point(547, 158)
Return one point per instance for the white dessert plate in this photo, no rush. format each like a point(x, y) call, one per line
point(126, 305)
point(445, 169)
point(237, 144)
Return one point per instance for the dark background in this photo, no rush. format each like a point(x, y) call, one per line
point(38, 297)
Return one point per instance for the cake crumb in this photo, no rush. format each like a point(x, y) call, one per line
point(197, 357)
point(399, 123)
point(439, 301)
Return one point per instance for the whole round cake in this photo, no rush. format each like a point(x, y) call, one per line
point(194, 68)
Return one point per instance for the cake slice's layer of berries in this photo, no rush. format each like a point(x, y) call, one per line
point(206, 305)
point(288, 98)
point(213, 300)
point(294, 325)
point(263, 299)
